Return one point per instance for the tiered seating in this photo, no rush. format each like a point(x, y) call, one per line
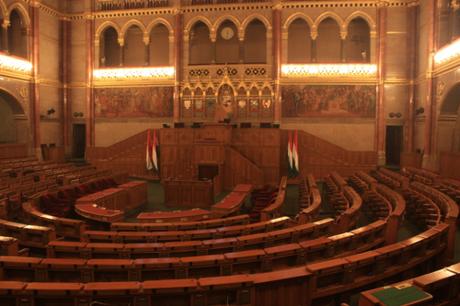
point(420, 175)
point(362, 182)
point(391, 178)
point(189, 248)
point(322, 283)
point(273, 210)
point(309, 199)
point(450, 187)
point(261, 198)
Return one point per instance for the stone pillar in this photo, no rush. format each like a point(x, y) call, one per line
point(90, 121)
point(178, 24)
point(146, 51)
point(429, 158)
point(241, 49)
point(277, 60)
point(313, 48)
point(5, 26)
point(65, 59)
point(343, 55)
point(411, 55)
point(121, 44)
point(34, 84)
point(380, 107)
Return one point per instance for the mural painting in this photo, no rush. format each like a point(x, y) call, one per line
point(328, 101)
point(134, 102)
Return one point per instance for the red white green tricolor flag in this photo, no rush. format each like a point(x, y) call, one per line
point(293, 154)
point(152, 151)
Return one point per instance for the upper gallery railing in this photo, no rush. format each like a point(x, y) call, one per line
point(110, 5)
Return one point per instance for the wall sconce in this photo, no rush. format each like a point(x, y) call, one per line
point(395, 115)
point(419, 111)
point(50, 111)
point(78, 114)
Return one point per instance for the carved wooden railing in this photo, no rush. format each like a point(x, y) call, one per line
point(248, 172)
point(111, 5)
point(125, 156)
point(321, 157)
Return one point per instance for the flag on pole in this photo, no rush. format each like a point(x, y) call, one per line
point(148, 153)
point(289, 152)
point(155, 151)
point(295, 154)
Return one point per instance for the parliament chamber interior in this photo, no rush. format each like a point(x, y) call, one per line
point(229, 152)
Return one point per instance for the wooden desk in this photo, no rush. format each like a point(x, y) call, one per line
point(111, 198)
point(137, 194)
point(174, 216)
point(188, 193)
point(99, 213)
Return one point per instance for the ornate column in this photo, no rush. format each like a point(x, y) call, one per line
point(276, 20)
point(90, 121)
point(146, 41)
point(412, 56)
point(241, 49)
point(314, 36)
point(429, 160)
point(65, 58)
point(380, 107)
point(121, 44)
point(5, 26)
point(178, 20)
point(34, 84)
point(343, 37)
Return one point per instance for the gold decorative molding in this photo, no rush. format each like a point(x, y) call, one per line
point(129, 76)
point(15, 67)
point(330, 72)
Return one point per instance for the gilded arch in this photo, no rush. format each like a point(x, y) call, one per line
point(22, 11)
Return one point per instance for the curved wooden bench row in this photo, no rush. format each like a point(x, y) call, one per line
point(361, 181)
point(391, 178)
point(398, 209)
point(180, 226)
point(273, 210)
point(201, 234)
point(9, 246)
point(450, 187)
point(313, 284)
point(28, 235)
point(422, 209)
point(65, 227)
point(348, 218)
point(141, 269)
point(189, 248)
point(420, 175)
point(448, 208)
point(312, 197)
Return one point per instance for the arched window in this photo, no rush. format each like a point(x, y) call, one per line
point(255, 43)
point(449, 121)
point(17, 35)
point(357, 45)
point(299, 42)
point(134, 47)
point(109, 48)
point(13, 123)
point(201, 52)
point(159, 46)
point(227, 45)
point(328, 42)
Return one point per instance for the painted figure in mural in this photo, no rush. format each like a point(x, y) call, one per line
point(225, 107)
point(321, 100)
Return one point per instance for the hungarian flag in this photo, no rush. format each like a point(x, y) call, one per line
point(148, 153)
point(293, 155)
point(155, 151)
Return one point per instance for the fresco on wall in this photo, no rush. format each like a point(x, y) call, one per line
point(328, 100)
point(134, 102)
